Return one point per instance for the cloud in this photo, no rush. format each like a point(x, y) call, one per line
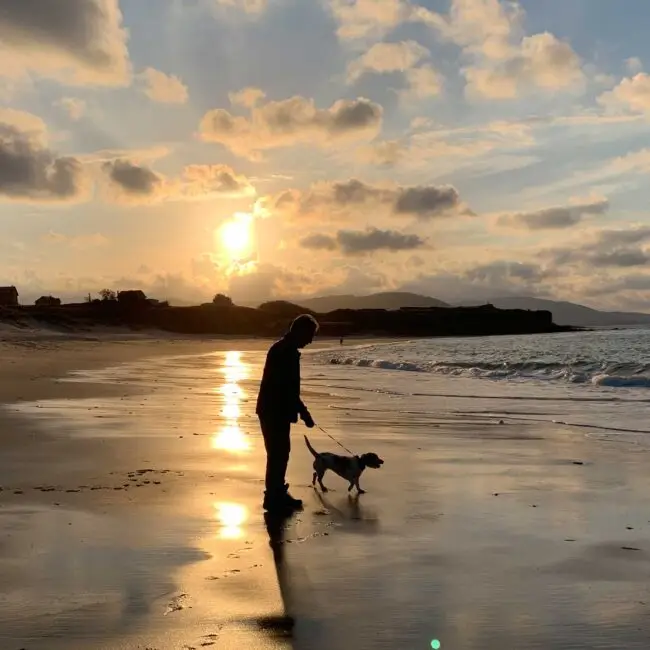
point(497, 272)
point(423, 82)
point(134, 183)
point(31, 126)
point(482, 282)
point(368, 18)
point(634, 64)
point(604, 248)
point(290, 122)
point(81, 242)
point(133, 180)
point(555, 217)
point(593, 257)
point(609, 174)
point(540, 62)
point(426, 201)
point(504, 63)
point(622, 258)
point(204, 181)
point(29, 171)
point(137, 156)
point(78, 42)
point(268, 281)
point(631, 94)
point(386, 153)
point(163, 88)
point(449, 145)
point(384, 58)
point(619, 237)
point(254, 7)
point(246, 97)
point(621, 286)
point(352, 198)
point(74, 107)
point(359, 242)
point(319, 242)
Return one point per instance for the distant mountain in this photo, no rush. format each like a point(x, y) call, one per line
point(569, 313)
point(388, 300)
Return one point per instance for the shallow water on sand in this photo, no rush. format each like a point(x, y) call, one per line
point(86, 571)
point(482, 535)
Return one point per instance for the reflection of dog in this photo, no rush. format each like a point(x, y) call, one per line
point(349, 468)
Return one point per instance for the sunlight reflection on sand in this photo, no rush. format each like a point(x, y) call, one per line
point(231, 516)
point(230, 436)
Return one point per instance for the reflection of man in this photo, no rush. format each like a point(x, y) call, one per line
point(280, 625)
point(279, 405)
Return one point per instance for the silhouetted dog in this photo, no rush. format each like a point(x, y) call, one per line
point(348, 467)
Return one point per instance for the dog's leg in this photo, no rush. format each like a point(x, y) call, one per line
point(320, 480)
point(313, 479)
point(359, 490)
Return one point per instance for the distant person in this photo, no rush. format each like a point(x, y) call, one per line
point(279, 405)
point(341, 341)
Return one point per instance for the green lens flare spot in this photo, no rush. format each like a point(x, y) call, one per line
point(435, 644)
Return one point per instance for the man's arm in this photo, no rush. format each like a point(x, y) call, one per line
point(305, 415)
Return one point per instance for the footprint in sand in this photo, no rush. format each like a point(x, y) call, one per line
point(209, 639)
point(231, 572)
point(176, 604)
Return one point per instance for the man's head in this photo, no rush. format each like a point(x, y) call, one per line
point(303, 329)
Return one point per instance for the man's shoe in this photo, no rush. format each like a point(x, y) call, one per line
point(295, 504)
point(274, 503)
point(281, 503)
point(291, 501)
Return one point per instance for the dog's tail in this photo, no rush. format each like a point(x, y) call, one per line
point(314, 453)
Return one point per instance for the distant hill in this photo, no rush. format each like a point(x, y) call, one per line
point(388, 300)
point(569, 313)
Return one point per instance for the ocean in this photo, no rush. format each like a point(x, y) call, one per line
point(596, 380)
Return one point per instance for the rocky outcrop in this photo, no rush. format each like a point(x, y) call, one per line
point(273, 319)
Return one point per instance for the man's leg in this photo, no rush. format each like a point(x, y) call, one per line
point(276, 443)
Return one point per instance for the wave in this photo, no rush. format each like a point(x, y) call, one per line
point(619, 381)
point(612, 375)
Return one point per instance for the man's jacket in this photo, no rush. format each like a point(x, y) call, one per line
point(279, 396)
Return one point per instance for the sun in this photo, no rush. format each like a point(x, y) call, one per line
point(236, 235)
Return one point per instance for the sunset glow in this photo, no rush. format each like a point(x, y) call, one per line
point(236, 236)
point(414, 146)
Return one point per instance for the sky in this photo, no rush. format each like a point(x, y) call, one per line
point(464, 149)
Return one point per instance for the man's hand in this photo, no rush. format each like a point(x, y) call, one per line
point(308, 420)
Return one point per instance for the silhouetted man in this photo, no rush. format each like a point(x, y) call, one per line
point(279, 405)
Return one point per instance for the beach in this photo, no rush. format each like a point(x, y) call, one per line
point(131, 476)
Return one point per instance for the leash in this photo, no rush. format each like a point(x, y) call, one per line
point(335, 440)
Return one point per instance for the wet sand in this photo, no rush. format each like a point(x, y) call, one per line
point(130, 518)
